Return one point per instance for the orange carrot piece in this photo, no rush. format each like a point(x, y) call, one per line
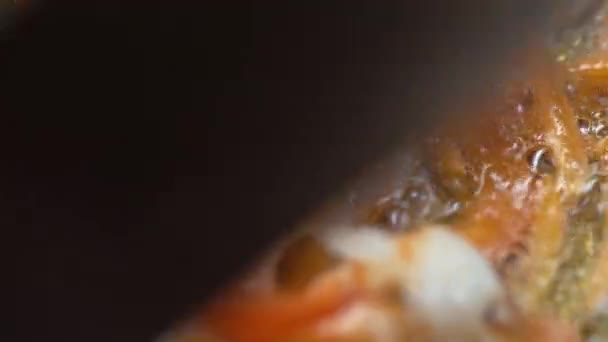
point(274, 317)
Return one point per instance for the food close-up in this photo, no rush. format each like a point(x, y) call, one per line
point(494, 228)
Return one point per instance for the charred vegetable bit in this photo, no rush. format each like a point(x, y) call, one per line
point(301, 262)
point(584, 233)
point(595, 328)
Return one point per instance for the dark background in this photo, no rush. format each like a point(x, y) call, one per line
point(149, 151)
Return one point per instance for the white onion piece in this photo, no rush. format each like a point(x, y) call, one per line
point(443, 279)
point(367, 244)
point(452, 285)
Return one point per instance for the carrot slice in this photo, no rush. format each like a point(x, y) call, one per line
point(274, 317)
